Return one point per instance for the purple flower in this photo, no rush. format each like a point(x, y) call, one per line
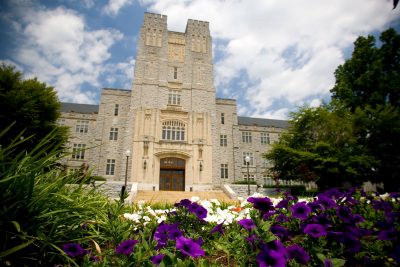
point(279, 231)
point(263, 204)
point(183, 203)
point(270, 258)
point(198, 210)
point(126, 247)
point(333, 193)
point(328, 263)
point(157, 259)
point(352, 244)
point(326, 202)
point(248, 224)
point(282, 218)
point(322, 219)
point(300, 210)
point(189, 247)
point(382, 205)
point(73, 250)
point(345, 214)
point(268, 215)
point(298, 253)
point(390, 234)
point(275, 245)
point(314, 230)
point(282, 204)
point(218, 229)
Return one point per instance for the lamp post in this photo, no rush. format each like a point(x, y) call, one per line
point(127, 154)
point(247, 160)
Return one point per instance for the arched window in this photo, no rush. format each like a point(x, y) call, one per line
point(173, 130)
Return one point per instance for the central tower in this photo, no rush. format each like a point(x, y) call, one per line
point(172, 111)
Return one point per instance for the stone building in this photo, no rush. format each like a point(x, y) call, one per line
point(178, 134)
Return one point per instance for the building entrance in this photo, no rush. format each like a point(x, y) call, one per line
point(172, 174)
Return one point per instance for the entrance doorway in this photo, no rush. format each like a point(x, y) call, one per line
point(172, 174)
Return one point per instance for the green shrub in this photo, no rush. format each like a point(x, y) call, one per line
point(244, 182)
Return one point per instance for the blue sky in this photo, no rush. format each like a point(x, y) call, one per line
point(271, 55)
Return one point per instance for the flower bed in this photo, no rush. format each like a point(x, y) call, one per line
point(334, 229)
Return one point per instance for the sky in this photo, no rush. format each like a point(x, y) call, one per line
point(273, 56)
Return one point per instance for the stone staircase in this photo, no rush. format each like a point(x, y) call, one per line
point(176, 196)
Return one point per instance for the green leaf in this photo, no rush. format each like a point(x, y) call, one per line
point(15, 249)
point(338, 262)
point(17, 226)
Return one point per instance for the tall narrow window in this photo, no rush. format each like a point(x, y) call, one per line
point(251, 156)
point(173, 130)
point(246, 137)
point(222, 118)
point(224, 171)
point(174, 97)
point(114, 134)
point(175, 73)
point(78, 151)
point(223, 140)
point(251, 176)
point(82, 126)
point(110, 167)
point(116, 110)
point(265, 138)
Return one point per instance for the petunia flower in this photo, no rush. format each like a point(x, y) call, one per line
point(73, 250)
point(157, 259)
point(270, 258)
point(300, 210)
point(198, 210)
point(298, 253)
point(189, 247)
point(247, 224)
point(315, 230)
point(218, 229)
point(126, 247)
point(263, 204)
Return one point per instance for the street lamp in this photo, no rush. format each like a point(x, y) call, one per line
point(127, 154)
point(247, 160)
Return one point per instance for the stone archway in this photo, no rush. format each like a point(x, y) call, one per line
point(172, 174)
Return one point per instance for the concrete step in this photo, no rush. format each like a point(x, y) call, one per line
point(175, 196)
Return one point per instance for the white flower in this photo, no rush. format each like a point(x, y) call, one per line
point(146, 218)
point(161, 219)
point(194, 198)
point(215, 201)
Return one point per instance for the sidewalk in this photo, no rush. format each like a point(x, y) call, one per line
point(176, 196)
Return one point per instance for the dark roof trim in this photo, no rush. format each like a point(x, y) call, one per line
point(79, 108)
point(248, 121)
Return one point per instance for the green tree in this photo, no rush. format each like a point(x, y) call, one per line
point(320, 146)
point(30, 106)
point(356, 137)
point(368, 84)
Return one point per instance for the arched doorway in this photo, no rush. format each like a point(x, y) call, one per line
point(172, 174)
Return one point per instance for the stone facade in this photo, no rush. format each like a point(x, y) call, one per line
point(171, 113)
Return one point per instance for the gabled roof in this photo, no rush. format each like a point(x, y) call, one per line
point(248, 121)
point(79, 108)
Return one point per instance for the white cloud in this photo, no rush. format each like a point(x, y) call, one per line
point(114, 6)
point(59, 49)
point(287, 50)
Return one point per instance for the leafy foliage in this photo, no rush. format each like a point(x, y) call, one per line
point(31, 106)
point(354, 138)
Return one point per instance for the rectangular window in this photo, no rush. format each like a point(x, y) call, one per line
point(223, 141)
point(246, 137)
point(116, 110)
point(268, 180)
point(222, 118)
point(224, 171)
point(82, 126)
point(114, 134)
point(174, 97)
point(78, 151)
point(251, 156)
point(265, 138)
point(252, 177)
point(265, 163)
point(110, 167)
point(175, 73)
